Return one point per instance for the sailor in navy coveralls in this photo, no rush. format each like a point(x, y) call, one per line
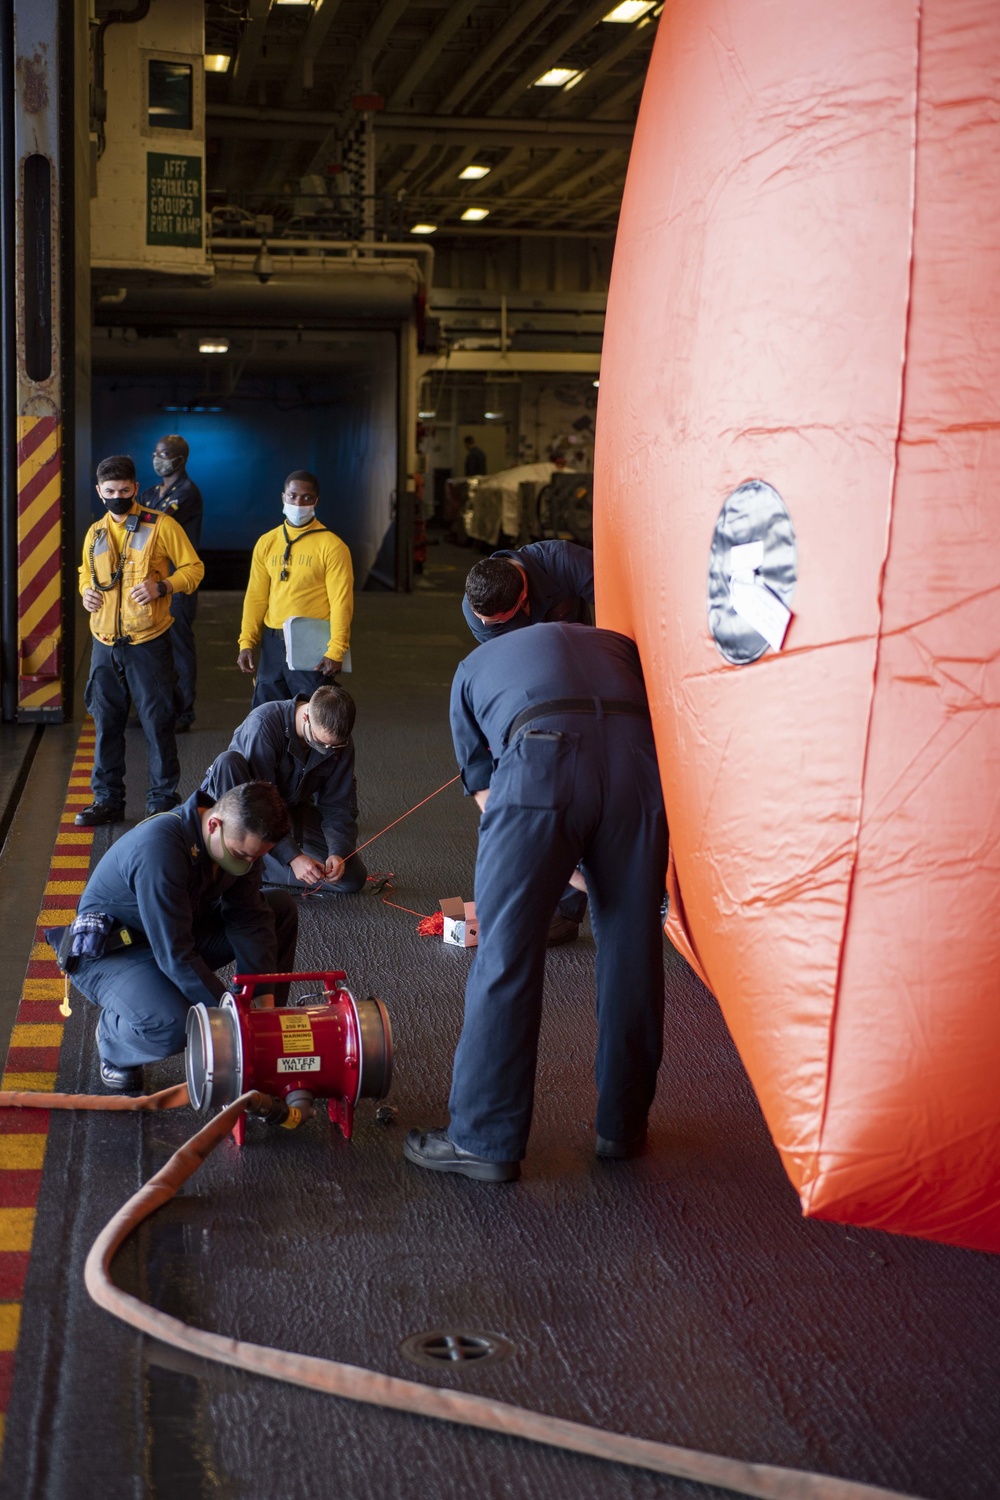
point(177, 495)
point(186, 884)
point(552, 733)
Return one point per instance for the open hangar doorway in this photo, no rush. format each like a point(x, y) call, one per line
point(262, 404)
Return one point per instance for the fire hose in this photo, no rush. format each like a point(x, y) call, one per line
point(354, 1383)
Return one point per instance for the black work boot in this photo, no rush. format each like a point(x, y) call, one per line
point(434, 1149)
point(99, 813)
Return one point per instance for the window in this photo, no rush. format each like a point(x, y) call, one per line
point(171, 92)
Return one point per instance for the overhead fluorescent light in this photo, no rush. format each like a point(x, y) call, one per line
point(217, 62)
point(422, 228)
point(473, 174)
point(555, 78)
point(493, 416)
point(213, 346)
point(473, 215)
point(629, 11)
point(596, 384)
point(577, 78)
point(427, 414)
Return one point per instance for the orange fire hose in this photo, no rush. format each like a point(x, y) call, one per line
point(352, 1383)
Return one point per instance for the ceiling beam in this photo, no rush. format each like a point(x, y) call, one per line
point(564, 102)
point(248, 55)
point(358, 77)
point(454, 17)
point(315, 34)
point(399, 128)
point(481, 63)
point(542, 61)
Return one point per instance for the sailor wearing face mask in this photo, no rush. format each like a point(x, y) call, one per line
point(186, 888)
point(178, 496)
point(133, 561)
point(304, 747)
point(299, 569)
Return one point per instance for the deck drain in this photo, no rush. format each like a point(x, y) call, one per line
point(445, 1347)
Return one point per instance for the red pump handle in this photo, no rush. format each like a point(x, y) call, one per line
point(245, 980)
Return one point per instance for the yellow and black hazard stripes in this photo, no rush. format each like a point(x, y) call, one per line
point(39, 561)
point(33, 1061)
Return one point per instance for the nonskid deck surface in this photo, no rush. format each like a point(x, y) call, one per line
point(678, 1297)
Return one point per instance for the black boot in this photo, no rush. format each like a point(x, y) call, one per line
point(99, 813)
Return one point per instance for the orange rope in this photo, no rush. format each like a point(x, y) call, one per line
point(405, 815)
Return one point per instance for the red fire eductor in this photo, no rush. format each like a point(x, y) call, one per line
point(338, 1049)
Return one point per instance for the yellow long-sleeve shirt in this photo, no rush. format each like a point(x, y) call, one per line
point(153, 544)
point(320, 585)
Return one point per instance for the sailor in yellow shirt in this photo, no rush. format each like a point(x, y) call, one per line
point(299, 568)
point(126, 584)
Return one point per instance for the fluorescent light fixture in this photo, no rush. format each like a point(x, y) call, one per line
point(213, 346)
point(473, 174)
point(596, 384)
point(577, 78)
point(422, 228)
point(555, 78)
point(301, 3)
point(217, 62)
point(473, 215)
point(493, 416)
point(629, 11)
point(427, 414)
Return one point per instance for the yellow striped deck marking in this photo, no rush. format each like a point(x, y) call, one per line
point(17, 1225)
point(64, 887)
point(43, 454)
point(34, 1083)
point(70, 861)
point(60, 916)
point(40, 607)
point(85, 836)
point(41, 697)
point(42, 502)
point(10, 1325)
point(22, 1153)
point(78, 799)
point(37, 1034)
point(41, 554)
point(42, 989)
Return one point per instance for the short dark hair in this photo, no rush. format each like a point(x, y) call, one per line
point(469, 439)
point(118, 466)
point(255, 808)
point(494, 586)
point(304, 477)
point(175, 441)
point(331, 708)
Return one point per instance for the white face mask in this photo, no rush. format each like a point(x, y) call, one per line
point(299, 515)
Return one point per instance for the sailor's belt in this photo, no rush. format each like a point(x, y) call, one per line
point(596, 707)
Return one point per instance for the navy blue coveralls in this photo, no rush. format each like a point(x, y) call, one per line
point(188, 918)
point(319, 791)
point(560, 587)
point(182, 501)
point(554, 722)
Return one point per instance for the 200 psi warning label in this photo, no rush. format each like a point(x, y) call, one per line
point(296, 1033)
point(298, 1064)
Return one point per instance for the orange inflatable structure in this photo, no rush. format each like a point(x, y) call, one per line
point(800, 412)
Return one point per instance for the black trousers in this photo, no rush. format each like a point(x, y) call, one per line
point(184, 608)
point(142, 674)
point(275, 678)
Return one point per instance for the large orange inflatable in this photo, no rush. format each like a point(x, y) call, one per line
point(797, 498)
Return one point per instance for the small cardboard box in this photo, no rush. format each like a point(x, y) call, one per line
point(460, 925)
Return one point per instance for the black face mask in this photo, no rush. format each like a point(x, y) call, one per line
point(119, 506)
